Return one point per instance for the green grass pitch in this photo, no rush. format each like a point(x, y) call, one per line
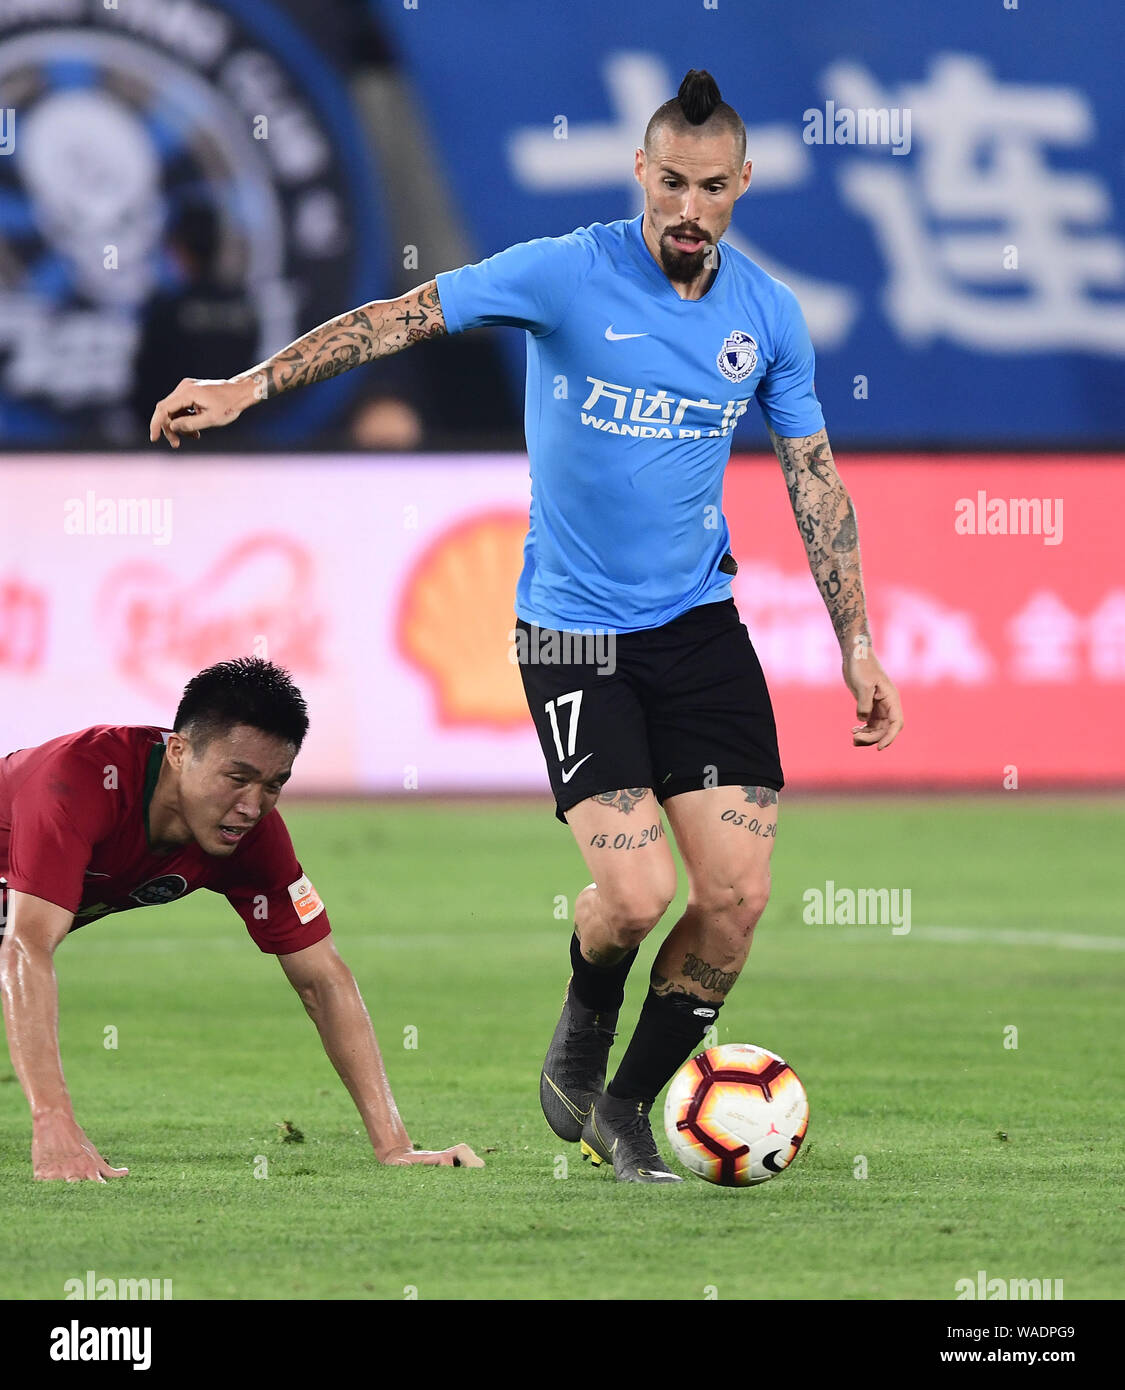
point(978, 1156)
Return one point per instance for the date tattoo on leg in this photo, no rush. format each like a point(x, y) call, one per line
point(763, 798)
point(634, 840)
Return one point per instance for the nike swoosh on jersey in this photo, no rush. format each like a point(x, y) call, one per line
point(612, 337)
point(568, 775)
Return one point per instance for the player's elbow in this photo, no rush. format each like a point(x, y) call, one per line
point(310, 992)
point(316, 991)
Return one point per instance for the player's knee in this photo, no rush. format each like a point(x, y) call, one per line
point(633, 913)
point(740, 903)
point(751, 896)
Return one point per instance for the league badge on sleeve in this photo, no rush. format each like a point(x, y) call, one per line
point(738, 356)
point(305, 899)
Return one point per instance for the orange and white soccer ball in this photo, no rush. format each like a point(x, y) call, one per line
point(736, 1115)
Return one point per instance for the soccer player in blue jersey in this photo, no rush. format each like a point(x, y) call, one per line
point(646, 341)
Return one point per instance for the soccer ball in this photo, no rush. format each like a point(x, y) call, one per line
point(736, 1115)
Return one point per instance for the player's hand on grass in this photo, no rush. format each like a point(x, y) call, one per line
point(459, 1156)
point(199, 405)
point(60, 1151)
point(877, 702)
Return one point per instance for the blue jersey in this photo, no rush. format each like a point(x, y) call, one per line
point(632, 398)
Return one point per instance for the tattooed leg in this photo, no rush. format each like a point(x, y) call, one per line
point(725, 835)
point(621, 836)
point(709, 979)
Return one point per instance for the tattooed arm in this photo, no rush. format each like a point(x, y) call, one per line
point(378, 329)
point(826, 520)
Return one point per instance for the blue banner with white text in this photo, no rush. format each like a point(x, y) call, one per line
point(942, 186)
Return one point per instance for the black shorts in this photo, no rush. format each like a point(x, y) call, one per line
point(675, 708)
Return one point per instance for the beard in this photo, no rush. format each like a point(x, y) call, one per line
point(683, 267)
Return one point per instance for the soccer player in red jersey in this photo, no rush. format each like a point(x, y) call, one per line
point(117, 817)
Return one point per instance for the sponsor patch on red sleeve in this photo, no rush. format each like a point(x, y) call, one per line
point(305, 899)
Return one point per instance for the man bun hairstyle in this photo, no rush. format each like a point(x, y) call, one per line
point(698, 96)
point(246, 690)
point(698, 103)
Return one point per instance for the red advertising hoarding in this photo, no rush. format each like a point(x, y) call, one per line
point(997, 604)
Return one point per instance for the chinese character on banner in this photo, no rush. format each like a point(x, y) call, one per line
point(1106, 636)
point(1045, 637)
point(1038, 270)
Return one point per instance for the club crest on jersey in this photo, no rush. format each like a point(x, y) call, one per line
point(160, 890)
point(738, 356)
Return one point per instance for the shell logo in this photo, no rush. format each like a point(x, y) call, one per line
point(456, 615)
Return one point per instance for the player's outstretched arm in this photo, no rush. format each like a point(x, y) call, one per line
point(378, 329)
point(332, 999)
point(59, 1148)
point(826, 519)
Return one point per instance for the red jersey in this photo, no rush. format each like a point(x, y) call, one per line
point(74, 830)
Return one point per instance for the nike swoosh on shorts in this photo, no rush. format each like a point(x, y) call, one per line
point(568, 775)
